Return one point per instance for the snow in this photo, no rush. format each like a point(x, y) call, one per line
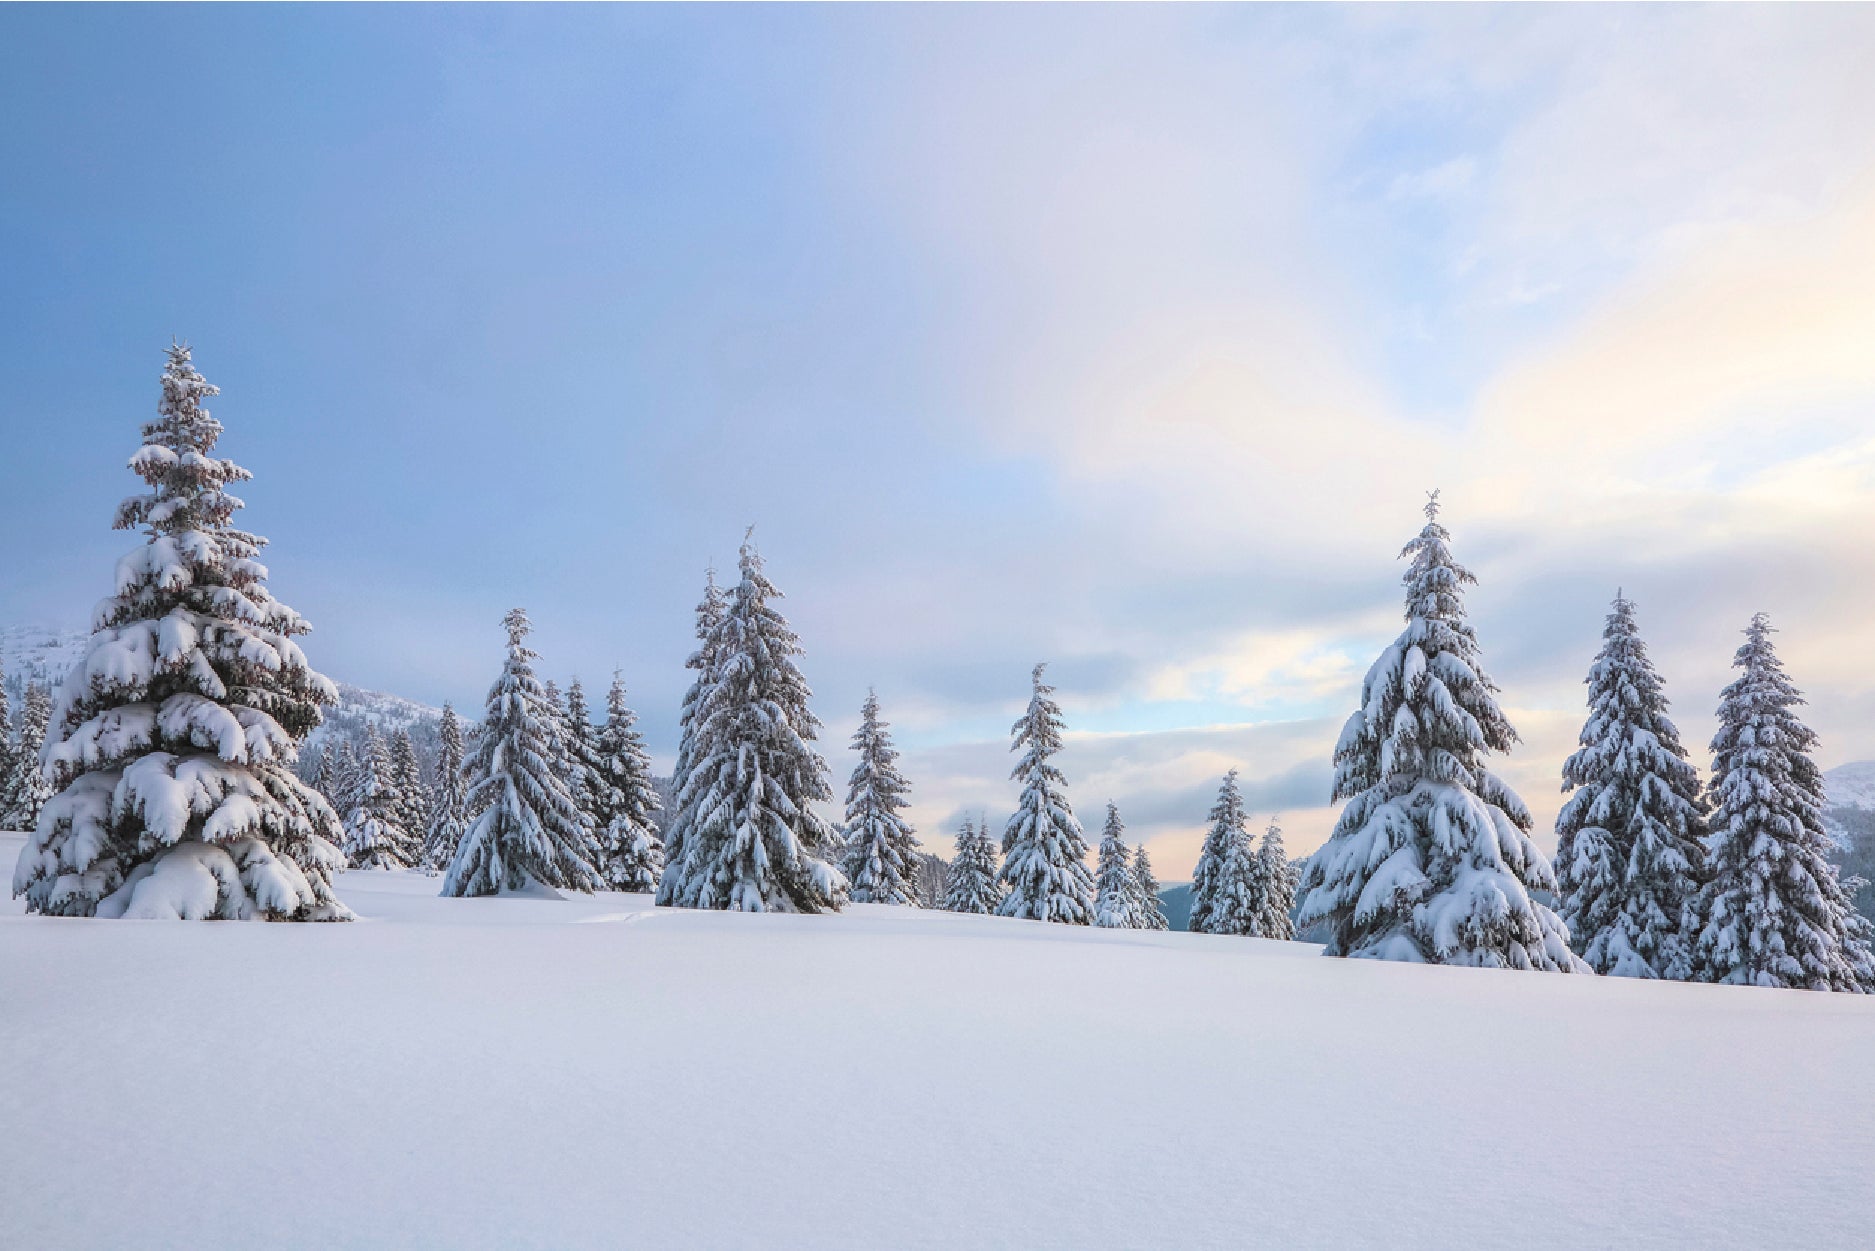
point(511, 1073)
point(1851, 785)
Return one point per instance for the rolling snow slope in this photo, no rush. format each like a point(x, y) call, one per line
point(598, 1073)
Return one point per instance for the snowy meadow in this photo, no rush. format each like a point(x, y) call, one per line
point(505, 1073)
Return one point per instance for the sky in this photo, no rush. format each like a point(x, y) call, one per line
point(1125, 339)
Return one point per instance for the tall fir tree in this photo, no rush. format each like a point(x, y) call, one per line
point(1237, 908)
point(1772, 912)
point(1229, 830)
point(582, 747)
point(674, 882)
point(375, 834)
point(631, 855)
point(880, 859)
point(1628, 840)
point(1431, 858)
point(6, 745)
point(525, 829)
point(26, 789)
point(1044, 852)
point(174, 740)
point(973, 886)
point(1116, 895)
point(413, 794)
point(447, 810)
point(344, 781)
point(754, 842)
point(1147, 905)
point(1276, 887)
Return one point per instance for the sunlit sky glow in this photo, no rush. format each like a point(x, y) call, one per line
point(1128, 339)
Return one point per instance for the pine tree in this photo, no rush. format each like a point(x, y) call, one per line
point(881, 855)
point(754, 842)
point(525, 828)
point(1431, 859)
point(1628, 841)
point(1773, 912)
point(27, 790)
point(6, 747)
point(447, 815)
point(674, 883)
point(1147, 905)
point(375, 834)
point(174, 741)
point(1237, 908)
point(412, 793)
point(1229, 829)
point(1276, 887)
point(973, 886)
point(1044, 851)
point(344, 775)
point(631, 854)
point(1116, 897)
point(582, 747)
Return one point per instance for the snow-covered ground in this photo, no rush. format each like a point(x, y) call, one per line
point(597, 1073)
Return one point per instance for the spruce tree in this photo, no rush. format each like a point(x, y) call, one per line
point(6, 746)
point(412, 794)
point(674, 882)
point(754, 842)
point(973, 886)
point(525, 828)
point(1772, 912)
point(1229, 829)
point(447, 816)
point(881, 854)
point(1431, 858)
point(1147, 906)
point(631, 854)
point(1628, 841)
point(1044, 851)
point(173, 745)
point(582, 748)
point(26, 790)
point(1116, 899)
point(1277, 887)
point(375, 834)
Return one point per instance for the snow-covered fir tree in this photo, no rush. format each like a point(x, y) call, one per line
point(674, 882)
point(1431, 858)
point(973, 886)
point(753, 841)
point(1237, 907)
point(582, 748)
point(1147, 906)
point(173, 745)
point(1276, 887)
point(1628, 841)
point(447, 810)
point(1116, 895)
point(344, 776)
point(1044, 852)
point(1229, 830)
point(525, 829)
point(375, 834)
point(413, 795)
point(631, 856)
point(880, 859)
point(6, 746)
point(26, 790)
point(1772, 912)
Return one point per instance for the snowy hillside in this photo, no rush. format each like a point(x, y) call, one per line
point(503, 1073)
point(1851, 785)
point(32, 654)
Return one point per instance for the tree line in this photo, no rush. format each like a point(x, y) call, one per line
point(174, 743)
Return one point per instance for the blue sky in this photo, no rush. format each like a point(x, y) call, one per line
point(1128, 339)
